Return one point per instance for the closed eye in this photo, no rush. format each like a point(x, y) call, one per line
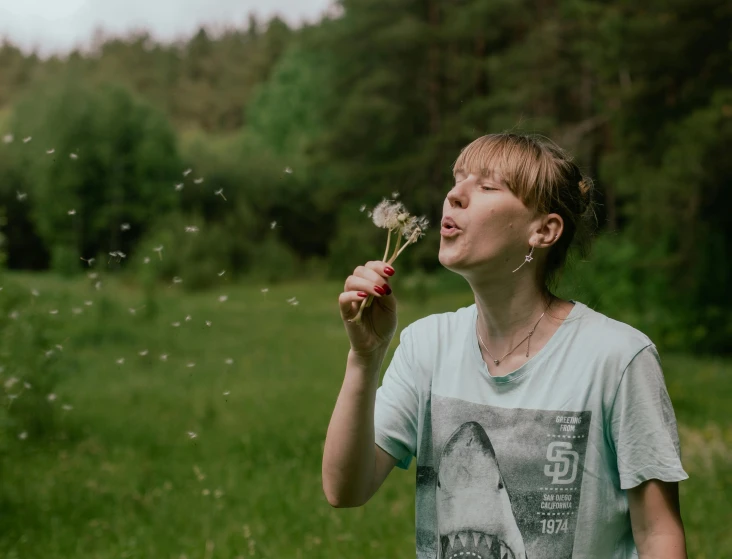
point(488, 188)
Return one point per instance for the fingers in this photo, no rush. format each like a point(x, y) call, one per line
point(370, 279)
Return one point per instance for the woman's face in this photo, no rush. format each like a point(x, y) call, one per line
point(495, 226)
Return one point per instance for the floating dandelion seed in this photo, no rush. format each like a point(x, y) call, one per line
point(206, 493)
point(179, 186)
point(222, 272)
point(229, 361)
point(92, 275)
point(220, 192)
point(164, 357)
point(22, 436)
point(73, 156)
point(191, 365)
point(175, 324)
point(288, 170)
point(362, 208)
point(120, 361)
point(198, 181)
point(71, 212)
point(21, 196)
point(14, 315)
point(34, 292)
point(27, 386)
point(291, 299)
point(51, 397)
point(8, 138)
point(208, 323)
point(146, 260)
point(125, 227)
point(395, 195)
point(77, 310)
point(187, 172)
point(227, 393)
point(192, 435)
point(142, 353)
point(199, 474)
point(49, 353)
point(88, 262)
point(54, 311)
point(50, 151)
point(98, 285)
point(10, 382)
point(132, 311)
point(28, 139)
point(67, 407)
point(218, 493)
point(88, 303)
point(59, 347)
point(191, 229)
point(188, 317)
point(265, 290)
point(177, 280)
point(159, 250)
point(223, 298)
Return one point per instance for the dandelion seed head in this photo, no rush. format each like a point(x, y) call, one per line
point(386, 214)
point(415, 226)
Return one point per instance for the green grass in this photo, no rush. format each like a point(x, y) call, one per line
point(120, 477)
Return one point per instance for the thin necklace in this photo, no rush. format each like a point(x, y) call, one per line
point(498, 361)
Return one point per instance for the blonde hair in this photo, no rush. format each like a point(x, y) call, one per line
point(545, 178)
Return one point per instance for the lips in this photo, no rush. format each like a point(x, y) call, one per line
point(449, 223)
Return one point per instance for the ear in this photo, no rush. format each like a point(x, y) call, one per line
point(547, 228)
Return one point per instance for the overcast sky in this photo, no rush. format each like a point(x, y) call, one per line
point(60, 25)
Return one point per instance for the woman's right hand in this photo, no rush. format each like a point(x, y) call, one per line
point(379, 321)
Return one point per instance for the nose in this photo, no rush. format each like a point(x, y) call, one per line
point(455, 197)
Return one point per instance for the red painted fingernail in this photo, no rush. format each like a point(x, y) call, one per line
point(379, 290)
point(387, 289)
point(362, 294)
point(389, 271)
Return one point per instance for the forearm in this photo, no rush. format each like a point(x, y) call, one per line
point(667, 544)
point(349, 453)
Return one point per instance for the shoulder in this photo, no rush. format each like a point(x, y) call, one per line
point(610, 339)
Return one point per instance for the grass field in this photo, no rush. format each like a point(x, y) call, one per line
point(121, 475)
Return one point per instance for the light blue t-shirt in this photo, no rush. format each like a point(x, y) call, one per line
point(536, 462)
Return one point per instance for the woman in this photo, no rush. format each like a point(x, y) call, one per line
point(542, 428)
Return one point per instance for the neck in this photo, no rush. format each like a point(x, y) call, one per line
point(507, 315)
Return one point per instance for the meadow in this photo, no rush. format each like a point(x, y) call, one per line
point(215, 449)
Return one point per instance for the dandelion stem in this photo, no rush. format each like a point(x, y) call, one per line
point(388, 241)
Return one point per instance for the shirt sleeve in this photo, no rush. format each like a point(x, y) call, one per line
point(397, 405)
point(643, 424)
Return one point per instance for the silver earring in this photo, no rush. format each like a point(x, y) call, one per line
point(528, 258)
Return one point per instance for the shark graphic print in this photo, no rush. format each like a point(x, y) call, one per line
point(503, 483)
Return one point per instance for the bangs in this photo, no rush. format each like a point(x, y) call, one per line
point(514, 161)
